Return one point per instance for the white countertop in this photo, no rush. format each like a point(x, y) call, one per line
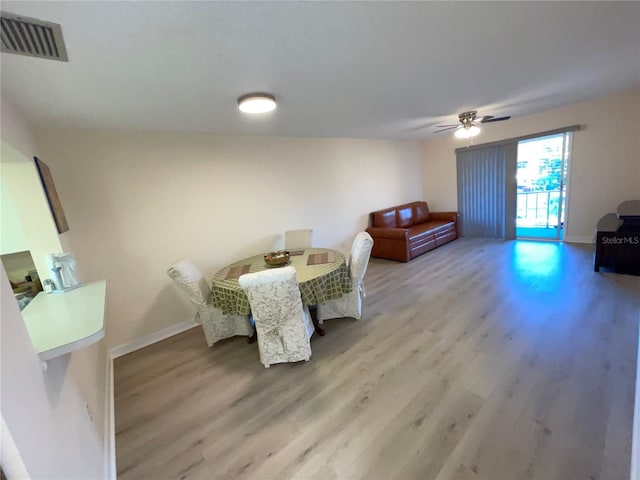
point(61, 323)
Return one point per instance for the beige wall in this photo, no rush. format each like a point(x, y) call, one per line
point(13, 126)
point(12, 238)
point(604, 168)
point(21, 181)
point(136, 202)
point(44, 412)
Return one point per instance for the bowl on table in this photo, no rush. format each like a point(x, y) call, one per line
point(277, 258)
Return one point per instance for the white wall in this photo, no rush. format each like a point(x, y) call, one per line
point(44, 411)
point(136, 202)
point(605, 163)
point(16, 130)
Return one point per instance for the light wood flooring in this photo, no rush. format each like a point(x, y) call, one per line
point(481, 359)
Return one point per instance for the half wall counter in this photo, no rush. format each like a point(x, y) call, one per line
point(62, 323)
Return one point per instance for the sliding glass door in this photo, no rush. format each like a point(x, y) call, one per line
point(542, 168)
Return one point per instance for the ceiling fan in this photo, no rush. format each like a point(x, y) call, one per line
point(468, 126)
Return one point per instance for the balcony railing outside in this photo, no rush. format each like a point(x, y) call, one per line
point(539, 209)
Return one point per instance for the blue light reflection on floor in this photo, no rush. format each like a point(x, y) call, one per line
point(538, 265)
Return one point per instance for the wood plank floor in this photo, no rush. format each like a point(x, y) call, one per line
point(481, 359)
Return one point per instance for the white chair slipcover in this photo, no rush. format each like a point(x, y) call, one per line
point(350, 304)
point(283, 324)
point(298, 239)
point(216, 325)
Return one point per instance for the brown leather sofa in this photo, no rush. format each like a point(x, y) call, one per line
point(406, 231)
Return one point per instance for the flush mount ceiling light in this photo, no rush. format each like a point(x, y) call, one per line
point(467, 131)
point(257, 103)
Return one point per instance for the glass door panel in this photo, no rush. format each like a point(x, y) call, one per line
point(541, 191)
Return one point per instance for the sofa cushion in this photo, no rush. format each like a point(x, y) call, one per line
point(385, 219)
point(420, 212)
point(405, 216)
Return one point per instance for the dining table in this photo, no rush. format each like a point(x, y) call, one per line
point(322, 274)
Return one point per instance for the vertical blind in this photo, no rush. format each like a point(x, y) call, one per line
point(486, 191)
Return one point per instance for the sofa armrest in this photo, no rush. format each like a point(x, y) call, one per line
point(391, 233)
point(451, 216)
point(390, 243)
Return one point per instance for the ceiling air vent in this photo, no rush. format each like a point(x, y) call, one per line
point(31, 37)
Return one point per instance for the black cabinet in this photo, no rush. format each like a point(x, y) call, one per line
point(618, 239)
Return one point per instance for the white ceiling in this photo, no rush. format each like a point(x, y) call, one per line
point(351, 69)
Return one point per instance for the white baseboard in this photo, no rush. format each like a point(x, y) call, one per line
point(110, 471)
point(635, 433)
point(579, 239)
point(154, 337)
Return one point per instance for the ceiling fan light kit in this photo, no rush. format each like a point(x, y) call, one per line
point(467, 131)
point(257, 103)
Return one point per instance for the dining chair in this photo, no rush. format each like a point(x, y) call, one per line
point(298, 239)
point(214, 322)
point(283, 324)
point(350, 304)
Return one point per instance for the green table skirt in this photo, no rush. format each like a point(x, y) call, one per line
point(318, 283)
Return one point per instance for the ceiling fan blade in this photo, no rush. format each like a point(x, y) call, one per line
point(450, 125)
point(489, 119)
point(447, 128)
